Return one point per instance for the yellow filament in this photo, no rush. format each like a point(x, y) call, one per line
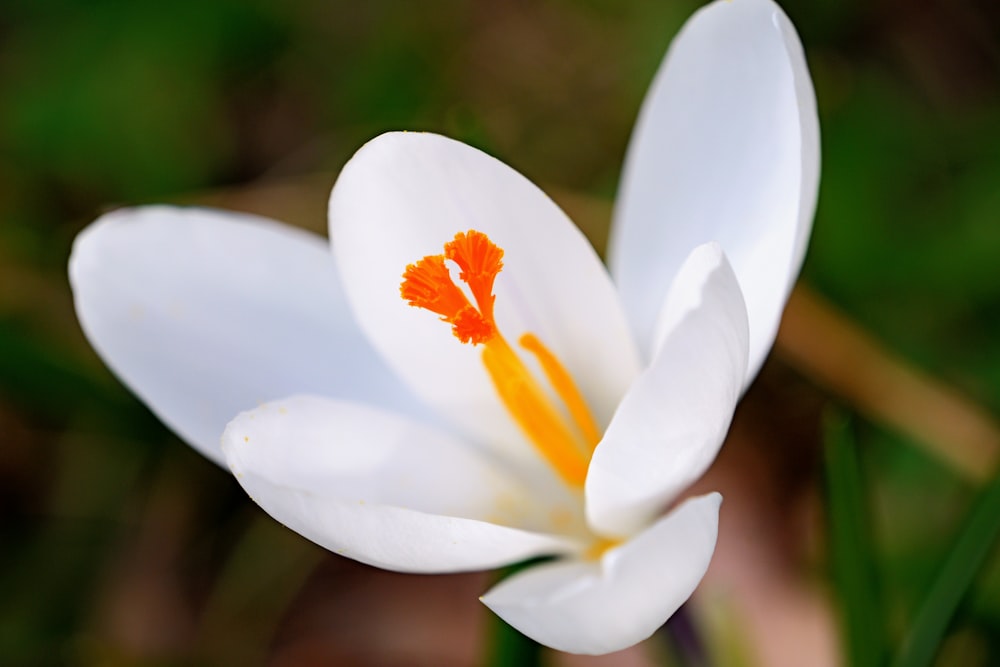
point(562, 382)
point(534, 412)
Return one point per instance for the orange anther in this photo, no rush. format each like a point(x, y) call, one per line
point(470, 327)
point(480, 261)
point(428, 284)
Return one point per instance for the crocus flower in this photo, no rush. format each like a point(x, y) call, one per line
point(461, 384)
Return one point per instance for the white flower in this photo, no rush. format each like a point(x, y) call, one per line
point(583, 404)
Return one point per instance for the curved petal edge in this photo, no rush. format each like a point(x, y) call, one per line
point(205, 313)
point(382, 489)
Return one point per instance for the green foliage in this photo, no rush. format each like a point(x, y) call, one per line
point(964, 561)
point(852, 553)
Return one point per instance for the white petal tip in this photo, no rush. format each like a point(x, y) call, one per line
point(598, 607)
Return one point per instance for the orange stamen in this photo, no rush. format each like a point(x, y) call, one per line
point(566, 445)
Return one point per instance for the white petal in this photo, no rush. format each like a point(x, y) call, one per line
point(673, 420)
point(611, 604)
point(206, 313)
point(384, 490)
point(402, 197)
point(726, 148)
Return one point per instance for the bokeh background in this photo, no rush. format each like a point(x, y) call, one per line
point(121, 546)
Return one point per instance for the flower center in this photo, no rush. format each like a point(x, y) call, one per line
point(565, 437)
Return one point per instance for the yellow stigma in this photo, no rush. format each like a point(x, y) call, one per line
point(565, 437)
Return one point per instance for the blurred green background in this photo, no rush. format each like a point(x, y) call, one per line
point(119, 545)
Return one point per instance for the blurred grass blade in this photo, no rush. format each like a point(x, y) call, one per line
point(960, 567)
point(509, 648)
point(851, 553)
